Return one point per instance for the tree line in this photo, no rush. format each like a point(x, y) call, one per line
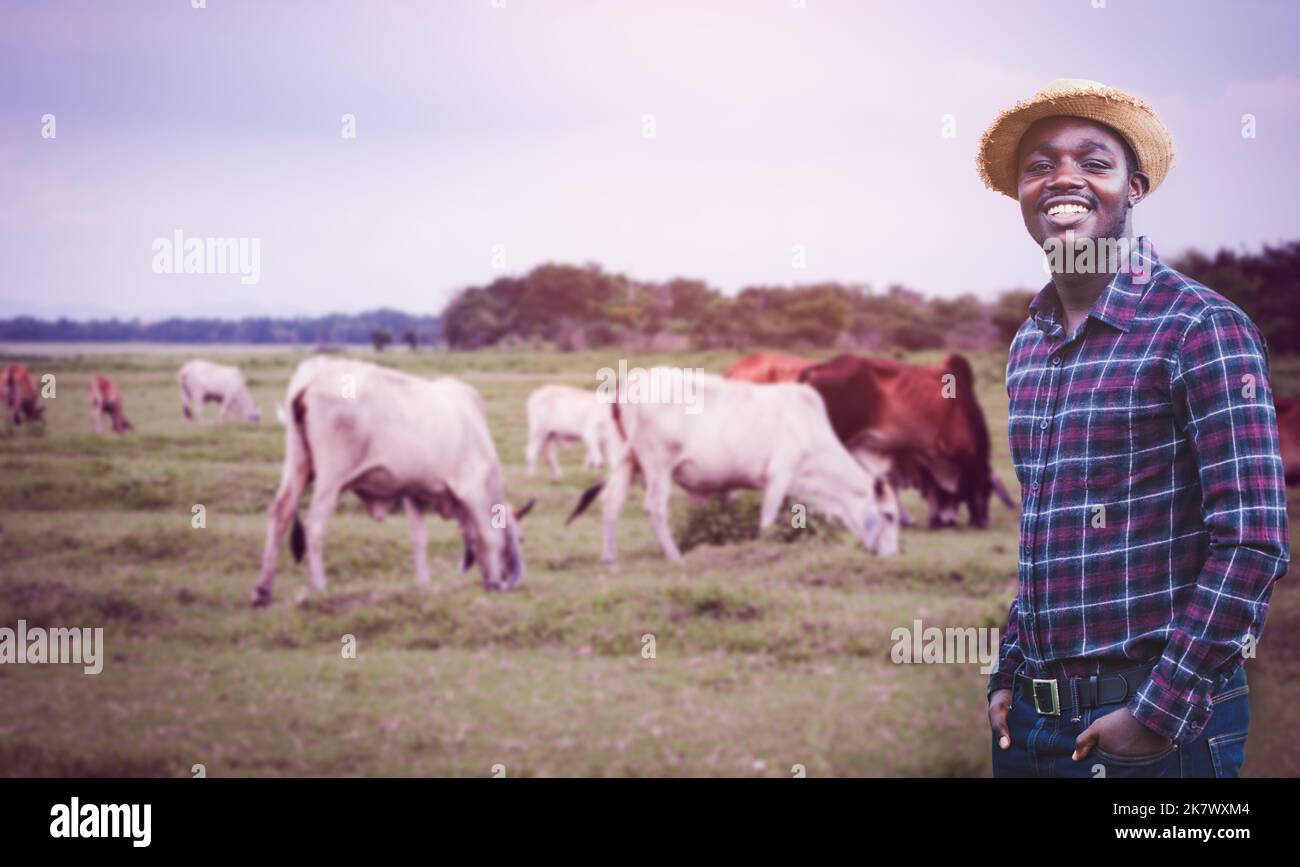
point(573, 307)
point(383, 325)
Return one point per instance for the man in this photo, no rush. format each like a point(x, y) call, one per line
point(1144, 437)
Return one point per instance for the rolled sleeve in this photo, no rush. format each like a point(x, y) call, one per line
point(1224, 402)
point(1009, 654)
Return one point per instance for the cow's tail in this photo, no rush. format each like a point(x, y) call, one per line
point(185, 395)
point(584, 501)
point(297, 539)
point(298, 469)
point(619, 451)
point(1001, 490)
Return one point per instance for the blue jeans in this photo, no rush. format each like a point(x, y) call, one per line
point(1041, 745)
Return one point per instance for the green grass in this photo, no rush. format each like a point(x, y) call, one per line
point(767, 654)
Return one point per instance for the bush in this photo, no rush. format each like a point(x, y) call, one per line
point(737, 521)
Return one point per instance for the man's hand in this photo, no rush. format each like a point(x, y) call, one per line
point(1119, 734)
point(999, 704)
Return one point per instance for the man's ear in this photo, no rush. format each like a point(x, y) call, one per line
point(1138, 184)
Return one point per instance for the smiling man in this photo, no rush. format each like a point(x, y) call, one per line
point(1143, 433)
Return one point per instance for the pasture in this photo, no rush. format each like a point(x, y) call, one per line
point(768, 654)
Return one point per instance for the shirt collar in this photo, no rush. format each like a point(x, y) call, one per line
point(1117, 303)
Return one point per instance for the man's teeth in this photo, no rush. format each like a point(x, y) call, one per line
point(1058, 210)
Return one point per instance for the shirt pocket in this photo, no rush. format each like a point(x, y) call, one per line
point(1125, 438)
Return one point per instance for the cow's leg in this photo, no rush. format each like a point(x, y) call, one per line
point(548, 449)
point(226, 403)
point(532, 450)
point(774, 494)
point(658, 488)
point(323, 504)
point(97, 418)
point(419, 541)
point(611, 504)
point(278, 518)
point(593, 460)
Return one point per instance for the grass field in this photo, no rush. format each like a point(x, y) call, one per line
point(768, 654)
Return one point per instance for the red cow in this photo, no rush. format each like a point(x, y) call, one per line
point(924, 420)
point(1288, 434)
point(768, 367)
point(22, 398)
point(106, 400)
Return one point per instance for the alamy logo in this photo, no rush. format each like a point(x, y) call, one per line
point(957, 645)
point(1099, 255)
point(673, 385)
point(103, 820)
point(181, 255)
point(38, 645)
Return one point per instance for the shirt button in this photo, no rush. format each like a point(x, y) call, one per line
point(1056, 362)
point(1034, 486)
point(1044, 424)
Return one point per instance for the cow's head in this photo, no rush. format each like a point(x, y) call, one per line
point(497, 549)
point(250, 411)
point(876, 514)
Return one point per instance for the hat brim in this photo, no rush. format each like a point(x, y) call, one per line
point(1127, 114)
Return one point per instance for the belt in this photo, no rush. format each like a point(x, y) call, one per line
point(1057, 696)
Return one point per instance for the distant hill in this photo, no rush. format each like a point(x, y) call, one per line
point(335, 328)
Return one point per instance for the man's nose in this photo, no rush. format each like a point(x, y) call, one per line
point(1065, 177)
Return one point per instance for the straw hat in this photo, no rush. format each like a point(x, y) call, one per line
point(1075, 97)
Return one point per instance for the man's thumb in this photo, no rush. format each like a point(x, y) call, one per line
point(1084, 743)
point(1000, 729)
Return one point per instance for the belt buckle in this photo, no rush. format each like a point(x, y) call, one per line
point(1055, 709)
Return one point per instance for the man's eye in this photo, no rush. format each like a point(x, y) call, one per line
point(1094, 164)
point(1040, 167)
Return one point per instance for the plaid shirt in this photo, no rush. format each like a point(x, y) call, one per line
point(1154, 509)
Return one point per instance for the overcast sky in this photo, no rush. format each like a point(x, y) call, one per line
point(525, 127)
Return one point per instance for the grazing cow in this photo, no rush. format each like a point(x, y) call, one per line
point(106, 400)
point(924, 421)
point(22, 398)
point(768, 367)
point(774, 438)
point(1288, 434)
point(393, 440)
point(562, 414)
point(203, 382)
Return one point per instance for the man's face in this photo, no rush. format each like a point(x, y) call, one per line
point(1073, 178)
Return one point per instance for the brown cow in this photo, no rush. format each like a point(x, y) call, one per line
point(768, 367)
point(22, 398)
point(106, 399)
point(1288, 435)
point(924, 420)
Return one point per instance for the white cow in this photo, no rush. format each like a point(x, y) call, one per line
point(562, 414)
point(774, 438)
point(393, 440)
point(204, 382)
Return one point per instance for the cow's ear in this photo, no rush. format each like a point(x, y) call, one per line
point(523, 510)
